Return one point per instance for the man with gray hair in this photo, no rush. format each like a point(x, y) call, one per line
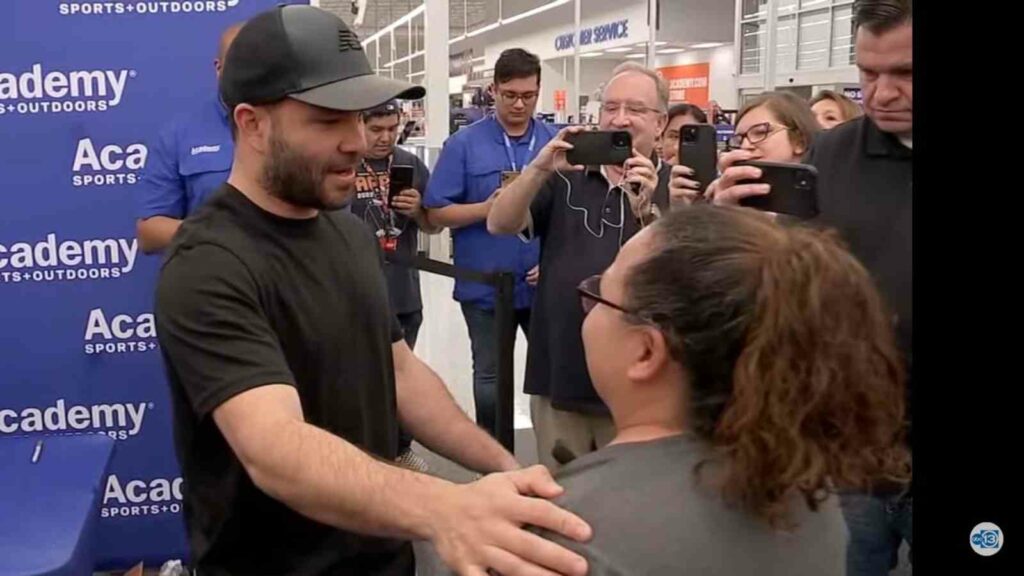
point(582, 216)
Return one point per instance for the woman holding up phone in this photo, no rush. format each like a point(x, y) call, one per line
point(775, 126)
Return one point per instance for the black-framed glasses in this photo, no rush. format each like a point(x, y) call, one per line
point(590, 296)
point(512, 97)
point(755, 135)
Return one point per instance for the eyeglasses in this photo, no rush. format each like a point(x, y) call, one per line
point(755, 135)
point(512, 97)
point(590, 296)
point(632, 109)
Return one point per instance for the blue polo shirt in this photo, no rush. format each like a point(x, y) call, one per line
point(468, 171)
point(189, 160)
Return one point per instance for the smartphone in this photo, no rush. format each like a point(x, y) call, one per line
point(794, 189)
point(507, 176)
point(599, 147)
point(401, 178)
point(698, 151)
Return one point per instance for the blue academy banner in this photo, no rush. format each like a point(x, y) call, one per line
point(84, 85)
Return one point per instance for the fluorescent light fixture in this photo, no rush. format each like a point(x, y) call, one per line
point(480, 59)
point(479, 31)
point(619, 49)
point(405, 58)
point(414, 13)
point(644, 44)
point(671, 50)
point(708, 45)
point(592, 54)
point(534, 11)
point(640, 55)
point(509, 20)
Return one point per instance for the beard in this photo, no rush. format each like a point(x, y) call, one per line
point(298, 179)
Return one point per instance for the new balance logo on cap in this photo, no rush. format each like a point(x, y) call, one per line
point(348, 41)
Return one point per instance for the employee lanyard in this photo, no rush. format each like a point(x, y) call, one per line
point(510, 152)
point(382, 196)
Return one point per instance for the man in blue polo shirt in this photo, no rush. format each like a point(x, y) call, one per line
point(189, 160)
point(468, 176)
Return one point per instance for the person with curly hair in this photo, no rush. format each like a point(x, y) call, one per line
point(752, 372)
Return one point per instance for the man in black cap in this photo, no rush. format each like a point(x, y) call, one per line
point(394, 213)
point(287, 369)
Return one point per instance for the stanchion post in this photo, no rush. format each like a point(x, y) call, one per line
point(506, 328)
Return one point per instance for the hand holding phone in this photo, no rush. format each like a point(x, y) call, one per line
point(400, 178)
point(599, 147)
point(698, 151)
point(793, 188)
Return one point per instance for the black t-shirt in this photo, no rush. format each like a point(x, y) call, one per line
point(372, 183)
point(577, 220)
point(865, 191)
point(247, 299)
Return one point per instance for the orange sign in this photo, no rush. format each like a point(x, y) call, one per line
point(560, 96)
point(687, 83)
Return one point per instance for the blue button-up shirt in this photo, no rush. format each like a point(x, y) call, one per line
point(189, 160)
point(468, 171)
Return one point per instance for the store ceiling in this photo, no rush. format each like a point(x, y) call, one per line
point(380, 13)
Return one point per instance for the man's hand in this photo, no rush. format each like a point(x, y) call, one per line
point(639, 180)
point(552, 156)
point(533, 276)
point(726, 190)
point(408, 202)
point(479, 526)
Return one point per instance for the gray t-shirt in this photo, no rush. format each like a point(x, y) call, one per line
point(650, 517)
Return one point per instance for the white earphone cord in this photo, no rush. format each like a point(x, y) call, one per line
point(586, 213)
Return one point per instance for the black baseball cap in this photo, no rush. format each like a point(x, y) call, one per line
point(308, 54)
point(386, 109)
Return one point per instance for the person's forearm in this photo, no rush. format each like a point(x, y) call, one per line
point(429, 413)
point(425, 224)
point(511, 211)
point(458, 215)
point(155, 233)
point(327, 479)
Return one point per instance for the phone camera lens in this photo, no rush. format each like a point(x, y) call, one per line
point(689, 134)
point(620, 140)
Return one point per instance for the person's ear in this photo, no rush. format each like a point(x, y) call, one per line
point(253, 125)
point(651, 357)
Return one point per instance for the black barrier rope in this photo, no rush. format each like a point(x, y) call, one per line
point(504, 312)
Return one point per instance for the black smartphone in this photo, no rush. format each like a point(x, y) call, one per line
point(599, 147)
point(698, 151)
point(400, 179)
point(794, 189)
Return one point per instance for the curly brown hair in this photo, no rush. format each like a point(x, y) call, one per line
point(793, 372)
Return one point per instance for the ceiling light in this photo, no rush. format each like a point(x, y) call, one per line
point(708, 45)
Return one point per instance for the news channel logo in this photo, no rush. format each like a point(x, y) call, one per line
point(987, 539)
